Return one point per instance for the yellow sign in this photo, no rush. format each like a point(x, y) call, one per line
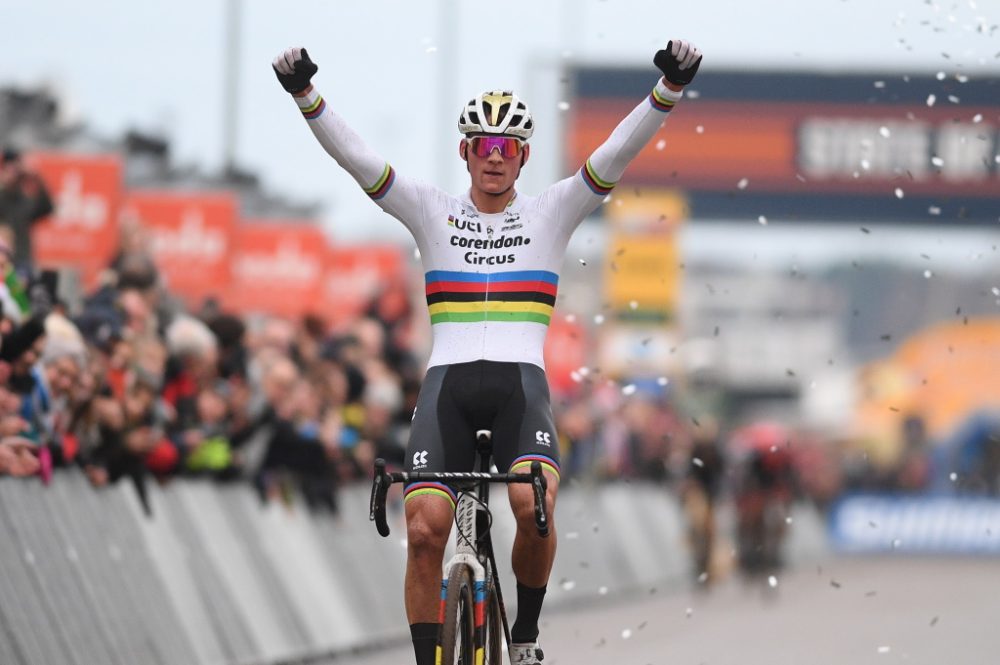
point(646, 210)
point(642, 274)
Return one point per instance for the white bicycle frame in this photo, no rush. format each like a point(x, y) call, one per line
point(466, 535)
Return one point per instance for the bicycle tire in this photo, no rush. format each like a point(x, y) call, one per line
point(458, 626)
point(493, 625)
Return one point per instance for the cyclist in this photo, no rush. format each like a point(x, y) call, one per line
point(491, 258)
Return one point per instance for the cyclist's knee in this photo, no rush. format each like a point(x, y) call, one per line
point(522, 503)
point(428, 523)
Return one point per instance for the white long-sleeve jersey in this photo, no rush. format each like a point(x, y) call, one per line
point(491, 279)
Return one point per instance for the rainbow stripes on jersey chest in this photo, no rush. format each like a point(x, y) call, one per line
point(514, 296)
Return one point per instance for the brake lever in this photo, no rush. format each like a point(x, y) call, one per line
point(380, 488)
point(539, 485)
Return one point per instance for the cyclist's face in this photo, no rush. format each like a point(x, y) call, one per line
point(494, 174)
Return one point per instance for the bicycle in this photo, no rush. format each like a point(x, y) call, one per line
point(472, 610)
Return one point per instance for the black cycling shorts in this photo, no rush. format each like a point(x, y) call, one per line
point(509, 399)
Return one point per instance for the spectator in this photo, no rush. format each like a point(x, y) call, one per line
point(17, 457)
point(24, 200)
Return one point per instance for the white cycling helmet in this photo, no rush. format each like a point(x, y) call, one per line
point(498, 112)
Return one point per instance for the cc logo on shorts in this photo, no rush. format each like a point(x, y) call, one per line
point(419, 459)
point(543, 438)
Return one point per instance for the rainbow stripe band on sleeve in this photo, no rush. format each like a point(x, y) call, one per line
point(597, 186)
point(516, 296)
point(382, 185)
point(523, 464)
point(314, 110)
point(659, 102)
point(430, 489)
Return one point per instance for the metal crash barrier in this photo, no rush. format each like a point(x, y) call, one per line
point(214, 576)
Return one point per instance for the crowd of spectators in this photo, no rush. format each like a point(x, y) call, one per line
point(128, 383)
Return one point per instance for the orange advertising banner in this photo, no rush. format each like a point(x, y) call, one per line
point(566, 352)
point(86, 191)
point(355, 275)
point(191, 235)
point(277, 268)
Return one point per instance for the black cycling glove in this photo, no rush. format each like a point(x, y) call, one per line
point(303, 69)
point(679, 62)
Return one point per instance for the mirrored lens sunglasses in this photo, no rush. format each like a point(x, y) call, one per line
point(508, 146)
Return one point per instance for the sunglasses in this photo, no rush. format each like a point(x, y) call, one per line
point(483, 146)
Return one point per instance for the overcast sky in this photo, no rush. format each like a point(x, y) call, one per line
point(400, 71)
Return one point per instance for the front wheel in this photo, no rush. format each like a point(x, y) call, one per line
point(458, 627)
point(493, 624)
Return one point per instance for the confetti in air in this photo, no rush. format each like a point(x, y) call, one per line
point(629, 389)
point(563, 106)
point(899, 193)
point(661, 144)
point(772, 581)
point(626, 633)
point(742, 184)
point(762, 220)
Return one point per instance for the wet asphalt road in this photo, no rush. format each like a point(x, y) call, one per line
point(847, 611)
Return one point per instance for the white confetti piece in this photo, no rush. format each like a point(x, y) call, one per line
point(568, 585)
point(431, 49)
point(931, 99)
point(700, 129)
point(772, 581)
point(899, 193)
point(742, 184)
point(762, 220)
point(934, 210)
point(697, 461)
point(599, 319)
point(884, 132)
point(629, 389)
point(937, 161)
point(952, 476)
point(582, 262)
point(571, 318)
point(663, 381)
point(563, 106)
point(626, 633)
point(928, 274)
point(633, 304)
point(688, 612)
point(884, 649)
point(661, 144)
point(603, 591)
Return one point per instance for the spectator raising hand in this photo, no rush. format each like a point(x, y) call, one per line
point(18, 457)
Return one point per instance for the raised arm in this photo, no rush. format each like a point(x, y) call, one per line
point(583, 192)
point(401, 199)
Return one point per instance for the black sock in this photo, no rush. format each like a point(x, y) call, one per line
point(425, 639)
point(529, 606)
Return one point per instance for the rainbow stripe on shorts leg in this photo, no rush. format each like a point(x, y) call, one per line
point(597, 186)
point(523, 464)
point(430, 489)
point(661, 103)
